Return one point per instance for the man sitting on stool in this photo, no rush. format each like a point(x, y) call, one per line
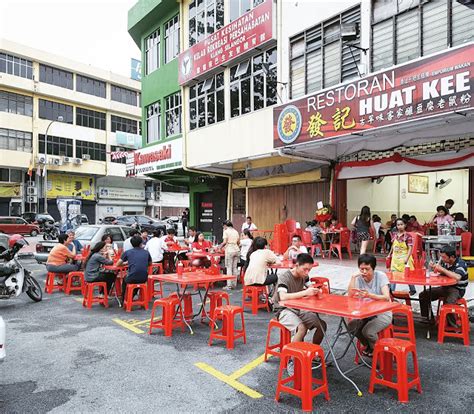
point(455, 268)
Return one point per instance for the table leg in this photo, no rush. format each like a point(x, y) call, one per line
point(430, 314)
point(181, 305)
point(203, 304)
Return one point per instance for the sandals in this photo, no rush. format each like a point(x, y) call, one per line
point(368, 353)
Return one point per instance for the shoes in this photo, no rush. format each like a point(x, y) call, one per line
point(228, 288)
point(290, 367)
point(412, 292)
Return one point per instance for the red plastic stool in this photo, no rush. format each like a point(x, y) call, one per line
point(89, 297)
point(462, 316)
point(407, 331)
point(441, 301)
point(385, 350)
point(385, 333)
point(276, 348)
point(50, 282)
point(317, 246)
point(172, 315)
point(142, 300)
point(403, 295)
point(303, 354)
point(188, 305)
point(228, 332)
point(154, 269)
point(321, 282)
point(71, 277)
point(216, 299)
point(254, 292)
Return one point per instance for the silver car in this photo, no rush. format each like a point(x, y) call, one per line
point(86, 235)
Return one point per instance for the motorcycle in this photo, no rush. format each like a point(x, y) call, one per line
point(14, 278)
point(50, 231)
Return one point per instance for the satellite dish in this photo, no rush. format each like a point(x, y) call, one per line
point(442, 183)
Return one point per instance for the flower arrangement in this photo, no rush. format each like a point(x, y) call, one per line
point(323, 214)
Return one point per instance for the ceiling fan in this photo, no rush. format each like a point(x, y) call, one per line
point(442, 183)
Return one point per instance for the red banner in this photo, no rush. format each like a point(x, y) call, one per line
point(249, 31)
point(420, 89)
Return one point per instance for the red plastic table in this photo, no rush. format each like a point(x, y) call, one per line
point(121, 272)
point(343, 307)
point(190, 279)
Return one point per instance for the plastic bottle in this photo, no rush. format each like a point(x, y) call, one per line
point(407, 270)
point(179, 269)
point(428, 271)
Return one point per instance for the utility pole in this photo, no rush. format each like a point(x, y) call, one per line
point(45, 171)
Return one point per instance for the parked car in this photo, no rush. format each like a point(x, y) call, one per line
point(176, 222)
point(3, 242)
point(145, 223)
point(37, 218)
point(107, 220)
point(84, 219)
point(2, 339)
point(87, 235)
point(17, 225)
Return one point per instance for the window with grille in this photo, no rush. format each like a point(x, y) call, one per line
point(319, 58)
point(56, 145)
point(153, 122)
point(404, 30)
point(173, 114)
point(206, 102)
point(123, 124)
point(95, 150)
point(17, 66)
point(172, 39)
point(240, 7)
point(90, 119)
point(152, 51)
point(15, 103)
point(53, 110)
point(205, 17)
point(14, 140)
point(55, 76)
point(124, 95)
point(122, 160)
point(90, 86)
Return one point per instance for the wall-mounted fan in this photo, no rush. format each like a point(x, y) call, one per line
point(442, 183)
point(377, 180)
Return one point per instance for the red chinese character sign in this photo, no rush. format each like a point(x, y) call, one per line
point(423, 88)
point(249, 31)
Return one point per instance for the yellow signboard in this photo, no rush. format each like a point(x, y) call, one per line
point(63, 185)
point(10, 190)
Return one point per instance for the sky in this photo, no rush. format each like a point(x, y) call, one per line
point(88, 31)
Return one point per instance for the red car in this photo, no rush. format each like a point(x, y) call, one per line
point(17, 225)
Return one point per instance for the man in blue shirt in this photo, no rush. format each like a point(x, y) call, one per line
point(137, 260)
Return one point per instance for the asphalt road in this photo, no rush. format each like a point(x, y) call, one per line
point(62, 358)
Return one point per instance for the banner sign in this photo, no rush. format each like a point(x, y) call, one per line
point(429, 86)
point(64, 185)
point(156, 158)
point(70, 212)
point(121, 193)
point(10, 190)
point(249, 31)
point(128, 140)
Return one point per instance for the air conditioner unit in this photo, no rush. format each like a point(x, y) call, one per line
point(31, 191)
point(86, 157)
point(77, 161)
point(31, 184)
point(42, 159)
point(67, 160)
point(31, 199)
point(57, 161)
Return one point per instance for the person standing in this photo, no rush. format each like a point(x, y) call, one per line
point(442, 217)
point(448, 204)
point(453, 267)
point(232, 252)
point(246, 240)
point(249, 225)
point(184, 220)
point(138, 260)
point(372, 284)
point(362, 224)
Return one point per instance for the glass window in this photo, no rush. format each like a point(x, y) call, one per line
point(205, 17)
point(462, 18)
point(56, 146)
point(16, 104)
point(152, 51)
point(16, 66)
point(95, 150)
point(253, 83)
point(90, 119)
point(172, 39)
point(206, 104)
point(153, 122)
point(55, 76)
point(319, 58)
point(13, 140)
point(173, 114)
point(122, 159)
point(53, 110)
point(90, 86)
point(124, 95)
point(123, 124)
point(407, 39)
point(240, 7)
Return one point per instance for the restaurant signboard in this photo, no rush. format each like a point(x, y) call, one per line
point(420, 89)
point(246, 33)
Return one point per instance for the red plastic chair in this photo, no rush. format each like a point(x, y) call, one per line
point(462, 317)
point(276, 349)
point(172, 315)
point(344, 242)
point(142, 298)
point(85, 251)
point(89, 297)
point(404, 331)
point(51, 283)
point(216, 299)
point(253, 293)
point(71, 277)
point(303, 354)
point(153, 292)
point(385, 350)
point(290, 226)
point(228, 332)
point(466, 239)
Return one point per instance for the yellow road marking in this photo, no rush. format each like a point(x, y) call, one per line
point(247, 368)
point(228, 380)
point(128, 326)
point(145, 322)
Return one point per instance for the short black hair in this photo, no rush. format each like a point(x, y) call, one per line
point(449, 201)
point(406, 217)
point(136, 241)
point(459, 217)
point(171, 231)
point(304, 258)
point(260, 243)
point(62, 238)
point(144, 231)
point(157, 233)
point(449, 251)
point(442, 208)
point(248, 217)
point(192, 228)
point(368, 259)
point(413, 217)
point(296, 236)
point(228, 223)
point(133, 232)
point(403, 220)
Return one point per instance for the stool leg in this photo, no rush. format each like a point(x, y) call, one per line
point(415, 371)
point(441, 327)
point(230, 330)
point(254, 302)
point(306, 387)
point(325, 379)
point(168, 320)
point(267, 343)
point(243, 326)
point(373, 374)
point(280, 376)
point(402, 378)
point(465, 329)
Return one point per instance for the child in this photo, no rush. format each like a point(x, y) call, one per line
point(334, 224)
point(401, 250)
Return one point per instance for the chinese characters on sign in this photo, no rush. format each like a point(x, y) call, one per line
point(431, 86)
point(249, 31)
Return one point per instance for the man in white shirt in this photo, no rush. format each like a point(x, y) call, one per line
point(249, 225)
point(295, 249)
point(155, 247)
point(191, 236)
point(127, 245)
